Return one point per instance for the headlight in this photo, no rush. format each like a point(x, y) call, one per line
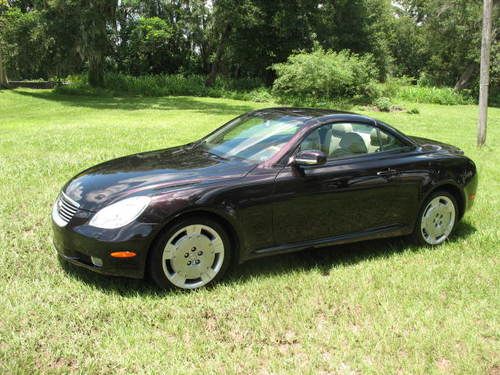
point(121, 213)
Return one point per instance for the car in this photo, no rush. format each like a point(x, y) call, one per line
point(270, 181)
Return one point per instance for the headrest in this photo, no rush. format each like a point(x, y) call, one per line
point(341, 128)
point(354, 143)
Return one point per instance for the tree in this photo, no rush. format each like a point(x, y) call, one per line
point(62, 20)
point(26, 43)
point(96, 16)
point(4, 82)
point(361, 26)
point(485, 68)
point(149, 46)
point(447, 33)
point(185, 49)
point(228, 15)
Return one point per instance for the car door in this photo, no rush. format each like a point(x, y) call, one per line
point(357, 190)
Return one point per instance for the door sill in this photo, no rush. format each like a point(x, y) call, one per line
point(379, 232)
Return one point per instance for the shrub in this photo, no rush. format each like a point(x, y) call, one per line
point(383, 104)
point(413, 111)
point(325, 75)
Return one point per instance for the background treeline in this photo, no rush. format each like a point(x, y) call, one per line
point(309, 48)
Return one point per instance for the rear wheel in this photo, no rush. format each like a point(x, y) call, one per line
point(193, 253)
point(437, 219)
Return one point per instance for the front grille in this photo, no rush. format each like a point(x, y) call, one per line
point(66, 208)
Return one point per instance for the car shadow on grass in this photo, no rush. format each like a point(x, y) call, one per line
point(323, 259)
point(132, 103)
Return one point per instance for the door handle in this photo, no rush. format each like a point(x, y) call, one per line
point(387, 172)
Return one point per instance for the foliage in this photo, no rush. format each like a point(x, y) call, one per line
point(383, 104)
point(239, 38)
point(96, 17)
point(394, 90)
point(380, 306)
point(437, 95)
point(168, 84)
point(440, 41)
point(392, 85)
point(149, 46)
point(25, 44)
point(408, 47)
point(433, 42)
point(325, 75)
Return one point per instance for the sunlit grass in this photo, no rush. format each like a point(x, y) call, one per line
point(382, 306)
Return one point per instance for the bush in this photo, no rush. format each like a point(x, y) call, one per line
point(325, 75)
point(383, 104)
point(413, 111)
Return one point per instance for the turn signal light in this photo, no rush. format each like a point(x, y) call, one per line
point(123, 254)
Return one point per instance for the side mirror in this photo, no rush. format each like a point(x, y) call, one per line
point(310, 157)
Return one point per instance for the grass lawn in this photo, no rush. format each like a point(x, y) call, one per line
point(381, 306)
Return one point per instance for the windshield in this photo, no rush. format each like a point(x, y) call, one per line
point(256, 137)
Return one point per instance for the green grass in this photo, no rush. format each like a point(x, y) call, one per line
point(373, 307)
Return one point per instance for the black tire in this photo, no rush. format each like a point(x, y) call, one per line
point(156, 269)
point(417, 235)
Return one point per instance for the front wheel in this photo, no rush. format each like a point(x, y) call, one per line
point(436, 220)
point(193, 253)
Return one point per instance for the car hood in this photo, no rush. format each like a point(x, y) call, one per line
point(431, 145)
point(150, 171)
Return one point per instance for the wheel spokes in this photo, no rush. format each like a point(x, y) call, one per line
point(217, 245)
point(178, 279)
point(169, 251)
point(208, 275)
point(193, 229)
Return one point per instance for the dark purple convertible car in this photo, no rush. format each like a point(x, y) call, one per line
point(268, 182)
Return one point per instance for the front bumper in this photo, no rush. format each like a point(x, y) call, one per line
point(77, 244)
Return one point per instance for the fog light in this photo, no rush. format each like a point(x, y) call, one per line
point(96, 261)
point(123, 254)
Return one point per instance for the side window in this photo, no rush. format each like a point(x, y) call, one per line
point(387, 142)
point(340, 140)
point(313, 140)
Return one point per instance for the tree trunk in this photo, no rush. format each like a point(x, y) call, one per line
point(96, 70)
point(4, 82)
point(465, 77)
point(484, 74)
point(218, 56)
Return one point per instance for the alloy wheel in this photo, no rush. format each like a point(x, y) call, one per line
point(438, 220)
point(193, 256)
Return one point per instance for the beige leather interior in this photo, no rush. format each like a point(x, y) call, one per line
point(337, 131)
point(340, 139)
point(351, 143)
